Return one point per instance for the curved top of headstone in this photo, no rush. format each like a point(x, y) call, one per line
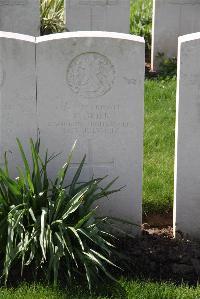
point(11, 35)
point(101, 34)
point(189, 37)
point(66, 35)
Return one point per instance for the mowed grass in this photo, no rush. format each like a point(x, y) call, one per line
point(125, 290)
point(159, 139)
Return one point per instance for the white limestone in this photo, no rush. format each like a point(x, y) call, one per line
point(90, 88)
point(86, 86)
point(20, 16)
point(171, 19)
point(17, 94)
point(187, 162)
point(98, 15)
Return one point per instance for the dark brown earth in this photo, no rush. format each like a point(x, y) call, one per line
point(156, 255)
point(158, 220)
point(153, 255)
point(148, 72)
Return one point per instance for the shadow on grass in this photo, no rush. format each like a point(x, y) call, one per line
point(103, 287)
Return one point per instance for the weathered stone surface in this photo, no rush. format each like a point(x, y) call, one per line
point(98, 15)
point(20, 16)
point(17, 94)
point(171, 19)
point(90, 88)
point(187, 163)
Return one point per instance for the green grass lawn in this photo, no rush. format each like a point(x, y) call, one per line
point(160, 98)
point(125, 290)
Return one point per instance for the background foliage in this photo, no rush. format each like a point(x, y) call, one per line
point(52, 16)
point(141, 20)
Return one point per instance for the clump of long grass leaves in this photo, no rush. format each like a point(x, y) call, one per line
point(52, 16)
point(51, 227)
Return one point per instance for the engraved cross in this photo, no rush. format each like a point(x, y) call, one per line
point(185, 3)
point(98, 2)
point(12, 2)
point(93, 3)
point(91, 163)
point(181, 6)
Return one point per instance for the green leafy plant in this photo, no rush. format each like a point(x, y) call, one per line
point(50, 226)
point(167, 66)
point(141, 21)
point(52, 16)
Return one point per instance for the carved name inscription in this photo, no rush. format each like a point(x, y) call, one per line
point(2, 74)
point(93, 120)
point(12, 2)
point(90, 75)
point(98, 2)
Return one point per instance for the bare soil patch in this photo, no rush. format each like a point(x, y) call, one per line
point(156, 255)
point(158, 220)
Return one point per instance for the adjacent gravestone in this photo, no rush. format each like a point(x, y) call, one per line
point(171, 19)
point(17, 94)
point(187, 163)
point(90, 88)
point(20, 16)
point(98, 15)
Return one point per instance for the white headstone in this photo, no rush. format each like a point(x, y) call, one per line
point(20, 16)
point(171, 19)
point(98, 15)
point(90, 88)
point(17, 94)
point(187, 163)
